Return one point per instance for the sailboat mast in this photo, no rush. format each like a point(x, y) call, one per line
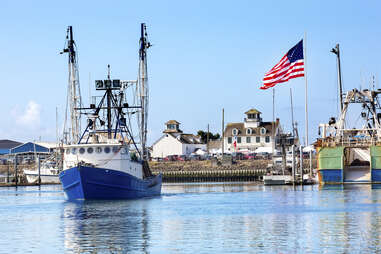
point(143, 86)
point(74, 92)
point(292, 114)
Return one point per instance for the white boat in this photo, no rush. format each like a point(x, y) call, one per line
point(48, 174)
point(277, 179)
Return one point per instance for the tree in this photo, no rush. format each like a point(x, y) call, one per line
point(204, 136)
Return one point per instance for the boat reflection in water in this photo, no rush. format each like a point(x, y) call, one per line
point(223, 218)
point(105, 226)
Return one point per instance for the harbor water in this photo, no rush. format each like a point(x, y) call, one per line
point(195, 218)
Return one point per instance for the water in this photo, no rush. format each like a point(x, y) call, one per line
point(195, 218)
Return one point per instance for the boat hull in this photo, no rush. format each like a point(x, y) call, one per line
point(332, 168)
point(277, 180)
point(32, 177)
point(84, 182)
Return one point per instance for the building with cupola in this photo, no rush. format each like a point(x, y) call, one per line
point(175, 142)
point(250, 134)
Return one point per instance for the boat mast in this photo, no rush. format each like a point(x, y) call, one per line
point(74, 92)
point(143, 86)
point(336, 51)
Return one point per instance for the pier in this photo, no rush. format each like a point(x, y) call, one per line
point(212, 171)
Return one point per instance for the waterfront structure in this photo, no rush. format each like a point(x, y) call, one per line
point(175, 142)
point(251, 134)
point(28, 152)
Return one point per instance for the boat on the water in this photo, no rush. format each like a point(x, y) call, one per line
point(106, 162)
point(277, 179)
point(351, 155)
point(48, 173)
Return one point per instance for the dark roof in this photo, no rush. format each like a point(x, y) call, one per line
point(8, 144)
point(187, 138)
point(29, 147)
point(255, 131)
point(172, 122)
point(172, 131)
point(252, 111)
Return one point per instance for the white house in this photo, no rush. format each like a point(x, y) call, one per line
point(250, 134)
point(175, 142)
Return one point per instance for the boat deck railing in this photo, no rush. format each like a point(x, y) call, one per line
point(350, 141)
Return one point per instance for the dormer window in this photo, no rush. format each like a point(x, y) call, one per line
point(235, 132)
point(249, 131)
point(263, 131)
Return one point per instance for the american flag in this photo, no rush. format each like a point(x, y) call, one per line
point(290, 66)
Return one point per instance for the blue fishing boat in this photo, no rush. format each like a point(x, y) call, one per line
point(106, 162)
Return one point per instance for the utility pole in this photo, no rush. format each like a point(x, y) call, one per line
point(207, 140)
point(16, 177)
point(39, 170)
point(223, 134)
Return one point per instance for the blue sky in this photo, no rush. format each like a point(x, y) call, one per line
point(207, 55)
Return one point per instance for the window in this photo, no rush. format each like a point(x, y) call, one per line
point(123, 150)
point(172, 126)
point(249, 131)
point(258, 139)
point(115, 149)
point(234, 131)
point(238, 140)
point(107, 149)
point(263, 131)
point(248, 139)
point(74, 150)
point(229, 140)
point(81, 150)
point(67, 151)
point(90, 150)
point(267, 139)
point(98, 149)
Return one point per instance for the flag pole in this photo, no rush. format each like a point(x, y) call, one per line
point(306, 95)
point(273, 130)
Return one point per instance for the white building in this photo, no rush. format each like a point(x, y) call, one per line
point(250, 134)
point(175, 142)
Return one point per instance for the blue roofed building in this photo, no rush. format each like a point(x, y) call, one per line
point(27, 152)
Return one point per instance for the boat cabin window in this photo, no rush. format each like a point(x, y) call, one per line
point(98, 149)
point(81, 150)
point(115, 149)
point(90, 150)
point(107, 149)
point(67, 151)
point(74, 150)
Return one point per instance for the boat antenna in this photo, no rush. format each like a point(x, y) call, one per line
point(143, 88)
point(74, 93)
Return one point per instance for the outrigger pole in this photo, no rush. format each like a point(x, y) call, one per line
point(143, 87)
point(74, 92)
point(336, 51)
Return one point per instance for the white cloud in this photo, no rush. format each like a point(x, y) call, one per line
point(30, 117)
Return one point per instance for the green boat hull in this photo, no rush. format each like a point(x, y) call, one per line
point(332, 168)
